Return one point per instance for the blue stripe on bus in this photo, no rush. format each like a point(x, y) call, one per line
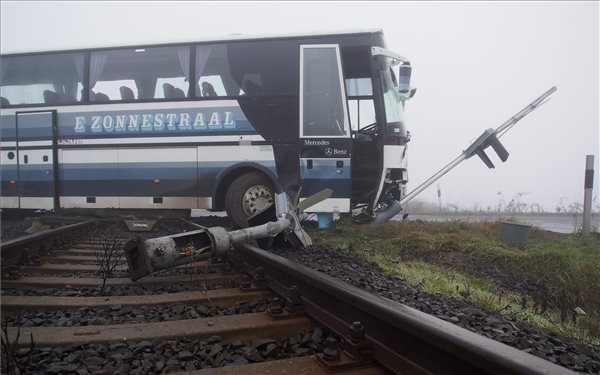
point(146, 170)
point(8, 174)
point(131, 188)
point(129, 170)
point(88, 172)
point(175, 178)
point(8, 128)
point(35, 126)
point(33, 172)
point(138, 179)
point(31, 180)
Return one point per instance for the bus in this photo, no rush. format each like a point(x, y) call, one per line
point(219, 124)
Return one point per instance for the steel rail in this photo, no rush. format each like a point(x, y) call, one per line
point(402, 339)
point(21, 249)
point(44, 235)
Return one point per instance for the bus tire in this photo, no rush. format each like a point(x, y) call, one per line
point(248, 195)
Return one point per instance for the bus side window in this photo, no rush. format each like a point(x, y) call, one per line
point(213, 78)
point(25, 78)
point(360, 102)
point(123, 74)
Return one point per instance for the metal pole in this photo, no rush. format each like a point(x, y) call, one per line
point(397, 205)
point(587, 197)
point(432, 179)
point(525, 111)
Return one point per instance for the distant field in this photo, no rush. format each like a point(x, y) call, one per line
point(561, 223)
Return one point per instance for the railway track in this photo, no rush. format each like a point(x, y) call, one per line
point(254, 312)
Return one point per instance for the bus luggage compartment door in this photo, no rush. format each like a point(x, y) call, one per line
point(36, 160)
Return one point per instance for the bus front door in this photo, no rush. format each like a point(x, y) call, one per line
point(325, 139)
point(37, 160)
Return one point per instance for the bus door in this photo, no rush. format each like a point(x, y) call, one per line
point(325, 140)
point(37, 160)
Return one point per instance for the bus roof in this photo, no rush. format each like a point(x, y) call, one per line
point(226, 38)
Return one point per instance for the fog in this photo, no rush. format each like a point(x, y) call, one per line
point(474, 64)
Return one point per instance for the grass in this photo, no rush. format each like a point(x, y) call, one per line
point(549, 282)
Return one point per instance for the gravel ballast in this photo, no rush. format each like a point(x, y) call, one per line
point(370, 277)
point(179, 355)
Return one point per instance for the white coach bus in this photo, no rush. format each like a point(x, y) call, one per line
point(219, 125)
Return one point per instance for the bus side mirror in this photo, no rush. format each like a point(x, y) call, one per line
point(404, 79)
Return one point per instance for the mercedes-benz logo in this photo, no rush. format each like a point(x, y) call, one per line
point(328, 151)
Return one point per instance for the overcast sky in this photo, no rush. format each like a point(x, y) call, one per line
point(475, 64)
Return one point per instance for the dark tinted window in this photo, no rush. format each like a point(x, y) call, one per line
point(213, 74)
point(247, 69)
point(265, 68)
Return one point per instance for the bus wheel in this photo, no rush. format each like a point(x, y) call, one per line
point(248, 195)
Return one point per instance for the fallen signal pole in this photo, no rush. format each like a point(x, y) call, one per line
point(279, 220)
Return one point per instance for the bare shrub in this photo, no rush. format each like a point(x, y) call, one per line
point(109, 254)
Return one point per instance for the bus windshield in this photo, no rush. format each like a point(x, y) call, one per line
point(394, 112)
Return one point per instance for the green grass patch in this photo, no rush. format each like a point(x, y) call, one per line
point(548, 282)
